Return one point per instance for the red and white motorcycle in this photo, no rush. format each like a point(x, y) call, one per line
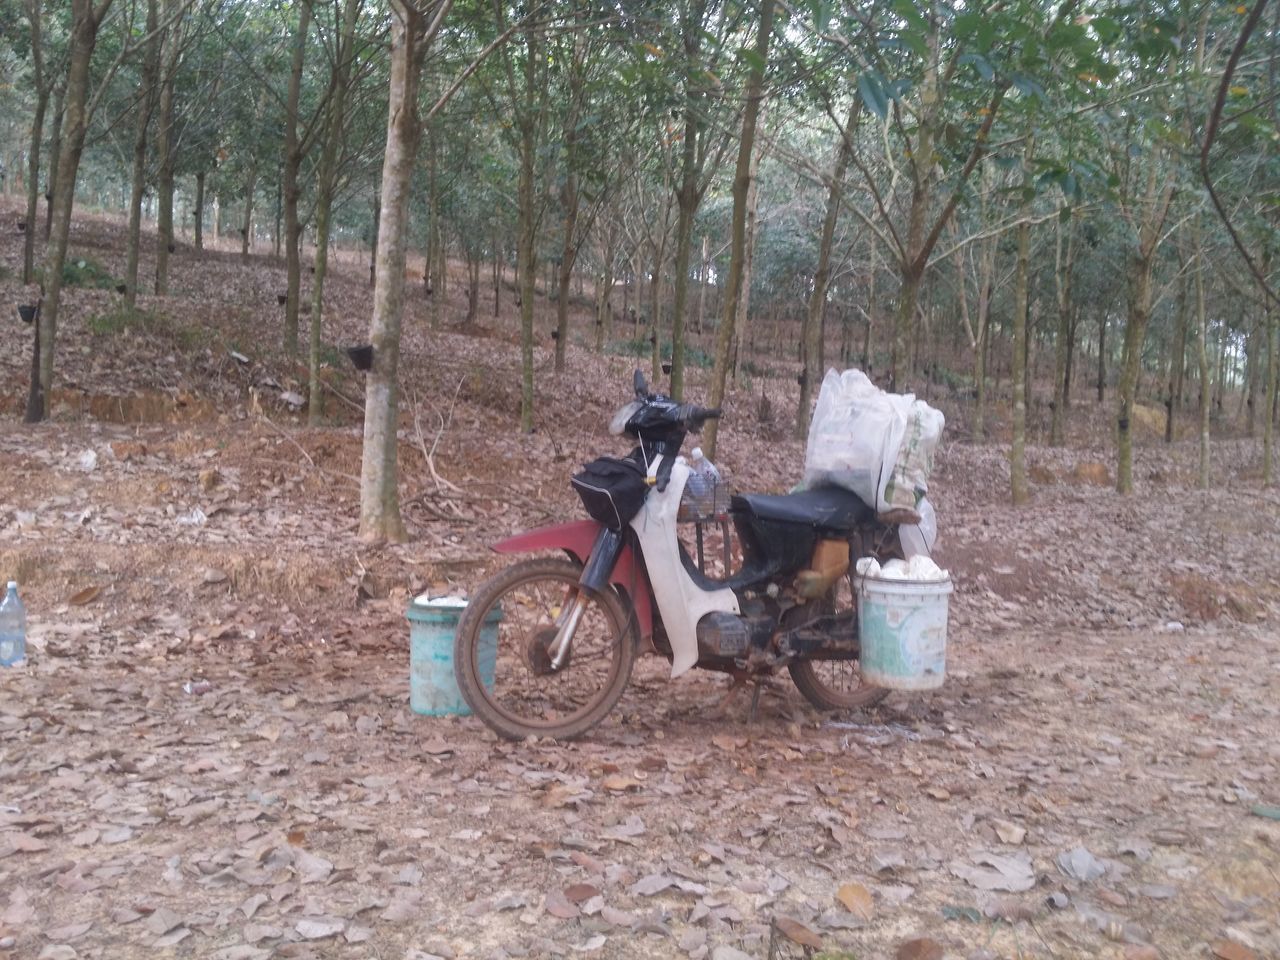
point(547, 645)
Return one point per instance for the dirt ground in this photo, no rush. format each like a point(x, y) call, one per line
point(210, 751)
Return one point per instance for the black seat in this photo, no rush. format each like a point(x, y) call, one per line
point(826, 508)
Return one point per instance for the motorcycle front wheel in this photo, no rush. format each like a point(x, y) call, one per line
point(503, 652)
point(833, 684)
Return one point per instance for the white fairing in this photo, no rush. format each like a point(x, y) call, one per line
point(681, 603)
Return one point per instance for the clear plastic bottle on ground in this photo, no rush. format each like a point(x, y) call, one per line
point(13, 628)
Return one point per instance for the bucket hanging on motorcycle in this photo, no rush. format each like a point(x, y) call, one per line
point(612, 490)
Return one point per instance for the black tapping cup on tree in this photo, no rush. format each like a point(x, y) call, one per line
point(361, 357)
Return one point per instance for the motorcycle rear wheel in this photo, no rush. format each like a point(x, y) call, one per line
point(502, 661)
point(834, 684)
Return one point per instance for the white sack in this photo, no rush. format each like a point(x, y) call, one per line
point(879, 445)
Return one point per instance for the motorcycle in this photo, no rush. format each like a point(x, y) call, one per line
point(546, 646)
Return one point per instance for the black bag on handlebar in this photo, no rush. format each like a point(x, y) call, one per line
point(612, 490)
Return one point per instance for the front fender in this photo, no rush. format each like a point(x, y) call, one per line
point(575, 538)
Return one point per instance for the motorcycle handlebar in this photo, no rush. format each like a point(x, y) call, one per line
point(696, 416)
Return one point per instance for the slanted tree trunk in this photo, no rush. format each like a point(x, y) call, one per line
point(85, 21)
point(292, 191)
point(411, 36)
point(738, 228)
point(811, 331)
point(35, 15)
point(146, 105)
point(166, 149)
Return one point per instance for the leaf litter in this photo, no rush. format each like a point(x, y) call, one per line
point(222, 552)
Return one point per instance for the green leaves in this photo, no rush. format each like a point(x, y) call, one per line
point(871, 89)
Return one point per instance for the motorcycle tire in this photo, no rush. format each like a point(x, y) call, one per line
point(833, 684)
point(501, 652)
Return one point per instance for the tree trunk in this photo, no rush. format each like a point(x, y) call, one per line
point(1102, 355)
point(1202, 363)
point(83, 38)
point(1176, 362)
point(569, 199)
point(167, 153)
point(326, 180)
point(528, 226)
point(435, 236)
point(1018, 375)
point(35, 14)
point(1063, 262)
point(292, 191)
point(737, 232)
point(146, 105)
point(198, 215)
point(1269, 395)
point(811, 331)
point(379, 495)
point(373, 246)
point(246, 229)
point(473, 284)
point(1135, 332)
point(55, 154)
point(688, 198)
point(748, 264)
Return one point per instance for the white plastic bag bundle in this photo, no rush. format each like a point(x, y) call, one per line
point(879, 445)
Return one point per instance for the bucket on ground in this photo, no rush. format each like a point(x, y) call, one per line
point(433, 691)
point(902, 626)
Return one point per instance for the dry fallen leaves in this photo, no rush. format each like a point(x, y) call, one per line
point(919, 948)
point(797, 932)
point(1230, 950)
point(857, 900)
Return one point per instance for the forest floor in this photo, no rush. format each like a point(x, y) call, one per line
point(210, 751)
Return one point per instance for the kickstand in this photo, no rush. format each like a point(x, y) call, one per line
point(755, 702)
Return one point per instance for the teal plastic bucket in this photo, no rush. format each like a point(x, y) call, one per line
point(433, 691)
point(902, 629)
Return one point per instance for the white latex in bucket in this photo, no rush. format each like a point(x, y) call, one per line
point(902, 629)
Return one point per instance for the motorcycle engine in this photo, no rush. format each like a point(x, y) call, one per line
point(722, 634)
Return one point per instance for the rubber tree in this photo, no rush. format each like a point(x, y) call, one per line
point(145, 108)
point(326, 188)
point(167, 138)
point(811, 332)
point(703, 146)
point(753, 96)
point(42, 78)
point(295, 147)
point(86, 19)
point(414, 28)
